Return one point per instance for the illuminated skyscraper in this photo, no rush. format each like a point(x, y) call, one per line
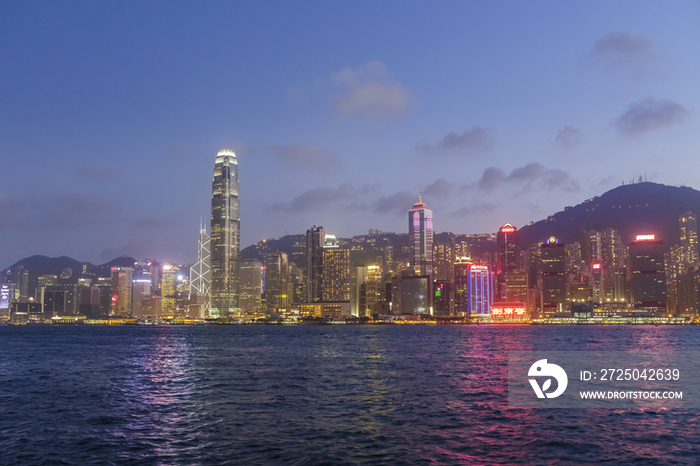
point(250, 285)
point(121, 291)
point(315, 241)
point(225, 236)
point(507, 257)
point(648, 273)
point(276, 281)
point(553, 292)
point(335, 278)
point(689, 238)
point(420, 233)
point(480, 290)
point(200, 275)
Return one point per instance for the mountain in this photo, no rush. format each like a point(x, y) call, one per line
point(42, 265)
point(633, 209)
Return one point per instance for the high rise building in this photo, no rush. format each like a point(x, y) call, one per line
point(121, 291)
point(250, 286)
point(167, 290)
point(648, 273)
point(507, 257)
point(315, 242)
point(554, 290)
point(200, 275)
point(420, 233)
point(689, 239)
point(225, 236)
point(276, 281)
point(335, 277)
point(20, 277)
point(461, 285)
point(480, 290)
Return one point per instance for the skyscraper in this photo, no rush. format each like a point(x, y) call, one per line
point(420, 233)
point(689, 238)
point(225, 236)
point(200, 275)
point(507, 257)
point(648, 273)
point(315, 241)
point(553, 293)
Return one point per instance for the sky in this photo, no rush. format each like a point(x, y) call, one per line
point(111, 115)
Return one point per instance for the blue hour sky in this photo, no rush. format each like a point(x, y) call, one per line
point(111, 114)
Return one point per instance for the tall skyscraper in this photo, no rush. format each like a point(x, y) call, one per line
point(250, 286)
point(121, 291)
point(480, 290)
point(689, 239)
point(507, 257)
point(553, 293)
point(315, 242)
point(276, 281)
point(420, 233)
point(200, 274)
point(225, 236)
point(648, 273)
point(335, 278)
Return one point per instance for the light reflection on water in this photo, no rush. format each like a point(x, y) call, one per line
point(315, 395)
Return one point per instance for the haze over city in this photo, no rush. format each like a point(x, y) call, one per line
point(112, 115)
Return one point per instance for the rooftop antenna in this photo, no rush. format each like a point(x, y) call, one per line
point(420, 192)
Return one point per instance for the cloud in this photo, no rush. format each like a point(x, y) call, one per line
point(75, 211)
point(532, 175)
point(468, 141)
point(619, 47)
point(398, 203)
point(568, 137)
point(439, 188)
point(650, 114)
point(305, 155)
point(316, 199)
point(98, 172)
point(491, 178)
point(370, 92)
point(477, 208)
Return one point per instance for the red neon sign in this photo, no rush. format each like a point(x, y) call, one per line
point(596, 266)
point(508, 311)
point(646, 237)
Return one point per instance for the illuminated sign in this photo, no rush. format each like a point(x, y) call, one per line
point(4, 297)
point(552, 240)
point(646, 237)
point(596, 266)
point(508, 311)
point(507, 228)
point(479, 267)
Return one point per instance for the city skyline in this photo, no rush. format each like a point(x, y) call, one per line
point(112, 114)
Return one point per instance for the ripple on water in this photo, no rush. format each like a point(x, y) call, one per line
point(314, 395)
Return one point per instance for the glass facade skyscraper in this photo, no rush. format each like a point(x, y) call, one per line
point(420, 233)
point(225, 236)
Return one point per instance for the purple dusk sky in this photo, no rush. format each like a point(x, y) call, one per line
point(111, 114)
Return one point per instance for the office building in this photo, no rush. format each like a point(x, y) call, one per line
point(648, 271)
point(553, 293)
point(200, 275)
point(420, 233)
point(225, 236)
